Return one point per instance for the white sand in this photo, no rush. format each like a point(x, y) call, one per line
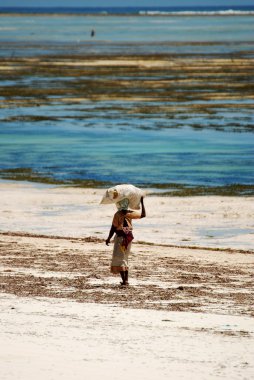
point(51, 339)
point(209, 221)
point(59, 339)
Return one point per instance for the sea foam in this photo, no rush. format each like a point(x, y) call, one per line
point(229, 12)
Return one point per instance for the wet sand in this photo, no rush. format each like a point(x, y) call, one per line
point(161, 277)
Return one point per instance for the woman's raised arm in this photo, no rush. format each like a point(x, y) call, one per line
point(143, 210)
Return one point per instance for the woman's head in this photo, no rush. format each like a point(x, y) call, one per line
point(123, 204)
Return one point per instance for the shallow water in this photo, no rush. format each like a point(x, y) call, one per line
point(118, 152)
point(159, 141)
point(73, 28)
point(126, 34)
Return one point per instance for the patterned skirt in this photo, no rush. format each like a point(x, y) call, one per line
point(120, 256)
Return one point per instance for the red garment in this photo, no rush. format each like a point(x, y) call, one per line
point(127, 239)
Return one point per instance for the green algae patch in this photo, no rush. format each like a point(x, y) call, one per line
point(173, 88)
point(227, 190)
point(158, 78)
point(31, 118)
point(29, 175)
point(169, 189)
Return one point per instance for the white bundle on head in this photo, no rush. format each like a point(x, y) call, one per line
point(119, 192)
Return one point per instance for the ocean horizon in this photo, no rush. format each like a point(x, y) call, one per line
point(140, 10)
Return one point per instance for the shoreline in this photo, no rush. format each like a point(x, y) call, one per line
point(25, 175)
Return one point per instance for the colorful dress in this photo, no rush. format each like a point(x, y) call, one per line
point(122, 221)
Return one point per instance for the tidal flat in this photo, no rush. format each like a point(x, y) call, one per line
point(177, 86)
point(138, 97)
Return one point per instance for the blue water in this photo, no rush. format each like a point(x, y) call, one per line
point(107, 143)
point(132, 156)
point(77, 29)
point(111, 147)
point(125, 10)
point(132, 34)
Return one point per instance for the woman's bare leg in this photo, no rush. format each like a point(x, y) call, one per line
point(122, 274)
point(126, 277)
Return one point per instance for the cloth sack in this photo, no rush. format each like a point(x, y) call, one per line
point(119, 192)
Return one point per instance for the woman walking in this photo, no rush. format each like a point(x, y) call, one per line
point(122, 228)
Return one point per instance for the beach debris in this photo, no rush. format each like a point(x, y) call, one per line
point(119, 192)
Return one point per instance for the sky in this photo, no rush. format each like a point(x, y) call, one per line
point(103, 3)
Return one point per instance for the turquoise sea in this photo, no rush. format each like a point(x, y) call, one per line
point(109, 140)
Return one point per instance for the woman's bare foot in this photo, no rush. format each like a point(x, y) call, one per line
point(124, 283)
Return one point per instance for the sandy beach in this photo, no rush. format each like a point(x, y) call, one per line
point(201, 221)
point(158, 102)
point(59, 339)
point(188, 311)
